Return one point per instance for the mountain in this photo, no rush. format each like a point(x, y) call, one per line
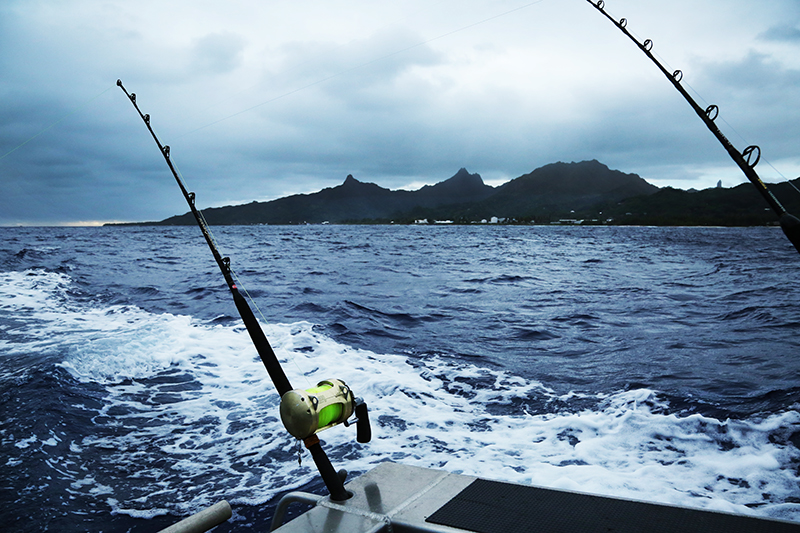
point(586, 190)
point(463, 187)
point(563, 188)
point(547, 194)
point(555, 188)
point(352, 201)
point(737, 206)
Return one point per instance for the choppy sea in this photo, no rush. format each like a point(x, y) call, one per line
point(660, 364)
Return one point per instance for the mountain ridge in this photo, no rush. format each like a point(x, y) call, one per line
point(586, 191)
point(357, 201)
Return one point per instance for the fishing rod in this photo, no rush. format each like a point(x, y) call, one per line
point(746, 160)
point(304, 413)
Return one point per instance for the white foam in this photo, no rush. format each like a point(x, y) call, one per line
point(24, 443)
point(31, 289)
point(195, 417)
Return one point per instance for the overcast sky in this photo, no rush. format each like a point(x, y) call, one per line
point(262, 99)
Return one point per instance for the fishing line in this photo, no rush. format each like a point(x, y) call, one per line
point(297, 66)
point(731, 128)
point(264, 320)
point(69, 114)
point(239, 282)
point(362, 65)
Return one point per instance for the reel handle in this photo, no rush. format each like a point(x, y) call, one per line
point(363, 429)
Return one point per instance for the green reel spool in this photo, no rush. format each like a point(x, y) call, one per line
point(306, 412)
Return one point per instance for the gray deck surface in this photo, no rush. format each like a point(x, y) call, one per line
point(495, 507)
point(406, 499)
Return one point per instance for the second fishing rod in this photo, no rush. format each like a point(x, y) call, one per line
point(745, 160)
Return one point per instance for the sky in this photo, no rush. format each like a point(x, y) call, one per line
point(264, 99)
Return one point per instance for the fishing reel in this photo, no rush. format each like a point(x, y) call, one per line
point(307, 412)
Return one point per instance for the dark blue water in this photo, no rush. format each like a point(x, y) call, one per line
point(655, 363)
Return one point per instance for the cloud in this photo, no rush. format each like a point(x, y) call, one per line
point(217, 53)
point(755, 73)
point(782, 33)
point(259, 100)
point(758, 93)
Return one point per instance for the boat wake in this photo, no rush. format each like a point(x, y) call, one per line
point(150, 414)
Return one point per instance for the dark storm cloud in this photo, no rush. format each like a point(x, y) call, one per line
point(771, 117)
point(261, 100)
point(782, 33)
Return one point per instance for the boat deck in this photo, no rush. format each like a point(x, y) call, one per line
point(398, 498)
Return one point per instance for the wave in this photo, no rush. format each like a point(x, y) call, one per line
point(167, 414)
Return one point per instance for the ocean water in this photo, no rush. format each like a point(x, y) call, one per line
point(660, 364)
